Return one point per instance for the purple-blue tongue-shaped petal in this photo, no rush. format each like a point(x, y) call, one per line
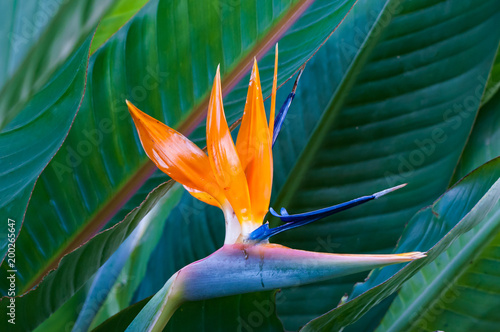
point(297, 220)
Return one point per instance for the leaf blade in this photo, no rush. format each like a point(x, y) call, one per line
point(479, 200)
point(47, 54)
point(33, 138)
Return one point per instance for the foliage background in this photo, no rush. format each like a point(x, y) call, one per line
point(393, 96)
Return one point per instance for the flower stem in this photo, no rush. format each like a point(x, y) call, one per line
point(156, 314)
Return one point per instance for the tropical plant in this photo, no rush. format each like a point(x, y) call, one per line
point(391, 92)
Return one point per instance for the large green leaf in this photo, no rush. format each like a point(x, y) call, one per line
point(447, 308)
point(381, 135)
point(30, 141)
point(117, 279)
point(65, 317)
point(481, 147)
point(42, 78)
point(58, 286)
point(101, 163)
point(439, 296)
point(38, 37)
point(460, 209)
point(246, 312)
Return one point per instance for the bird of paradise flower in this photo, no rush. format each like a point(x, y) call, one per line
point(238, 179)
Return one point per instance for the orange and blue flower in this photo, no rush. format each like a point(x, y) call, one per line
point(235, 177)
point(238, 179)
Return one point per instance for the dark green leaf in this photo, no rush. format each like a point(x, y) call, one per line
point(447, 308)
point(30, 141)
point(493, 81)
point(402, 114)
point(59, 285)
point(246, 312)
point(65, 317)
point(460, 209)
point(481, 147)
point(439, 296)
point(123, 319)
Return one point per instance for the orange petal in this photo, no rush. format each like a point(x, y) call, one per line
point(203, 196)
point(254, 148)
point(223, 157)
point(176, 155)
point(273, 93)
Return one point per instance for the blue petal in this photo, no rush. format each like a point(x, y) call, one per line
point(283, 211)
point(325, 212)
point(274, 213)
point(280, 118)
point(297, 220)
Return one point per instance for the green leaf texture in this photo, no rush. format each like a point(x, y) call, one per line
point(484, 142)
point(459, 210)
point(439, 296)
point(39, 37)
point(59, 285)
point(252, 312)
point(30, 141)
point(401, 114)
point(118, 16)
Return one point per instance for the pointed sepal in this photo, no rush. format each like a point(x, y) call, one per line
point(224, 160)
point(177, 156)
point(255, 150)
